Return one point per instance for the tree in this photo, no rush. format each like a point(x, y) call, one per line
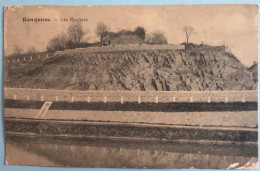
point(101, 30)
point(156, 37)
point(58, 42)
point(188, 31)
point(76, 33)
point(140, 31)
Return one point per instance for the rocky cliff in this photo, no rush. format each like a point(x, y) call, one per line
point(254, 71)
point(202, 69)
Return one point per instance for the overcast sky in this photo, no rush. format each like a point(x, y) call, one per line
point(232, 25)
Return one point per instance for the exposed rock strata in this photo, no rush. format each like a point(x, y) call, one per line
point(163, 70)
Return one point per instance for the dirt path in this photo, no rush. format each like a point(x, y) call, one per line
point(231, 119)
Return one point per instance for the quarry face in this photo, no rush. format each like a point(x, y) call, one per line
point(202, 69)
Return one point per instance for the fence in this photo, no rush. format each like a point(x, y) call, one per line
point(130, 96)
point(24, 59)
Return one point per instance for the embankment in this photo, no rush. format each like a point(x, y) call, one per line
point(128, 131)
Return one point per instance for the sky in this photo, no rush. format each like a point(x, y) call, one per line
point(235, 26)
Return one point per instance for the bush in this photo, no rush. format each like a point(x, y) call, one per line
point(156, 37)
point(139, 31)
point(58, 42)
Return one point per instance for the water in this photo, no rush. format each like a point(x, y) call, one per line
point(85, 152)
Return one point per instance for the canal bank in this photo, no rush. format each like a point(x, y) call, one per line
point(144, 131)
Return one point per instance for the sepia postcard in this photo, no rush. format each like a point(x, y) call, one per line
point(162, 86)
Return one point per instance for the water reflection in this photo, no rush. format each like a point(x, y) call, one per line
point(83, 152)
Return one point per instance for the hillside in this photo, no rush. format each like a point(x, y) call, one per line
point(254, 70)
point(167, 70)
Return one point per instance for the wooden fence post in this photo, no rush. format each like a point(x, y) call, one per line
point(139, 99)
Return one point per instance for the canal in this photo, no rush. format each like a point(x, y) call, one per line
point(96, 152)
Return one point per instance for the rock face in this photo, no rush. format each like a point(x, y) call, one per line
point(254, 71)
point(162, 70)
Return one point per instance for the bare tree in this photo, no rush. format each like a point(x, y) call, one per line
point(156, 37)
point(76, 33)
point(17, 50)
point(188, 31)
point(101, 30)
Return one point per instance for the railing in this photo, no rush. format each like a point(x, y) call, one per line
point(130, 96)
point(27, 58)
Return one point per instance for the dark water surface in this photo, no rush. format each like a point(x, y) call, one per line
point(86, 152)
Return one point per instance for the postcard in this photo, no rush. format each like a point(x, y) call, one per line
point(162, 86)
